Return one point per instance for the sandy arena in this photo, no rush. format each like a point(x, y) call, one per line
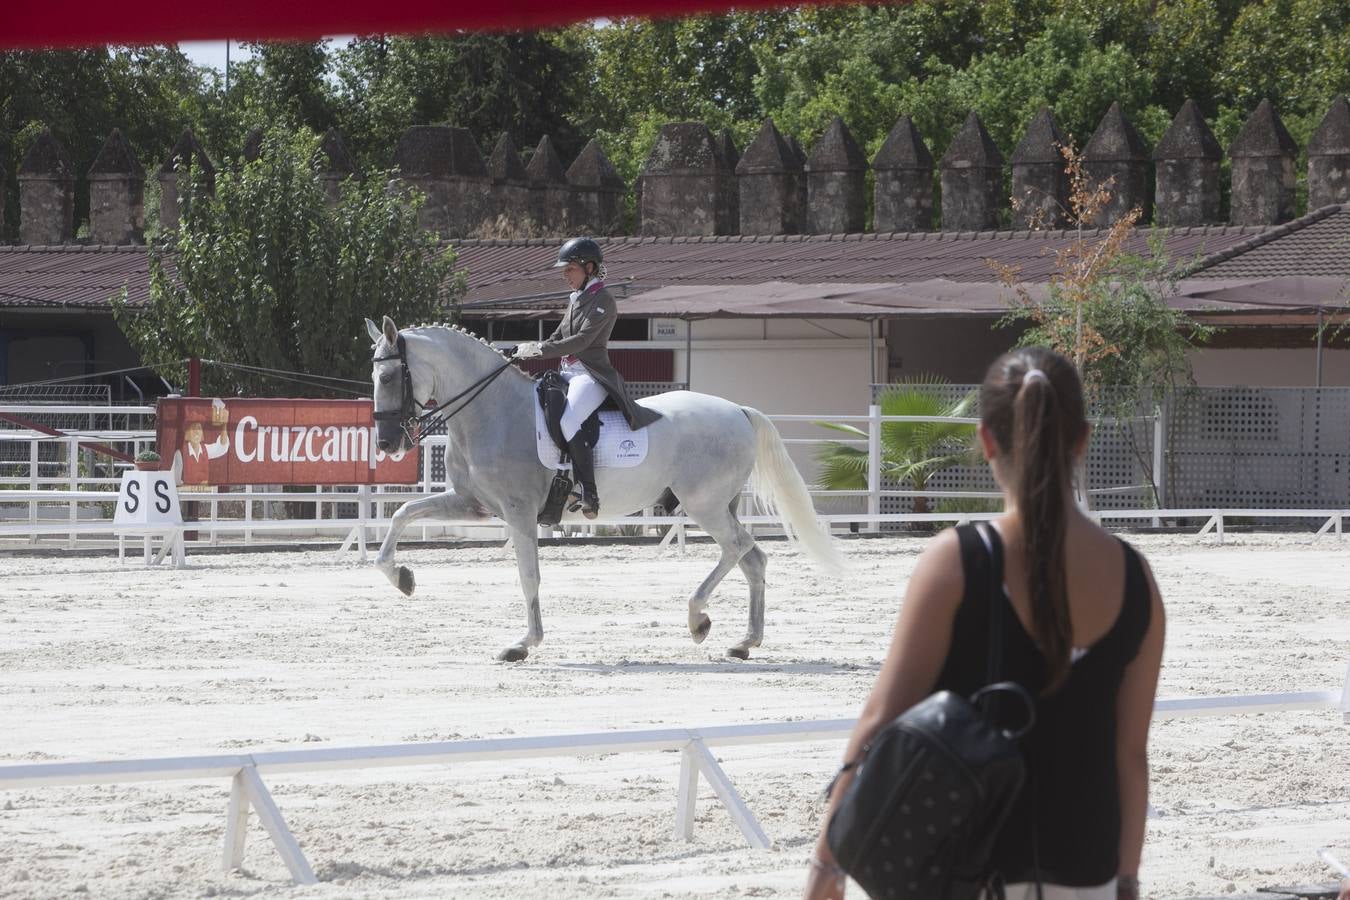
point(254, 651)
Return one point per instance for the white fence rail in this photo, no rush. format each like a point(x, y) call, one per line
point(247, 789)
point(67, 497)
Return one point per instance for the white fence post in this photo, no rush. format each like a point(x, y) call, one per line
point(33, 486)
point(1345, 697)
point(364, 493)
point(687, 799)
point(873, 467)
point(285, 842)
point(236, 823)
point(745, 820)
point(1158, 475)
point(73, 485)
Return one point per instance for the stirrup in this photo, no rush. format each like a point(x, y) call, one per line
point(590, 507)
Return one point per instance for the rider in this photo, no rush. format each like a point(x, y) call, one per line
point(582, 339)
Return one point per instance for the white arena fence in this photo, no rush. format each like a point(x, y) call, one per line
point(55, 488)
point(247, 789)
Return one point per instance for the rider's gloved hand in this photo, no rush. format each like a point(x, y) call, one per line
point(528, 350)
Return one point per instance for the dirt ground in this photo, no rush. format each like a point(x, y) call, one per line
point(259, 651)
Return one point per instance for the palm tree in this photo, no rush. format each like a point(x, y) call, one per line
point(911, 452)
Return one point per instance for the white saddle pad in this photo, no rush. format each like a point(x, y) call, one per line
point(619, 447)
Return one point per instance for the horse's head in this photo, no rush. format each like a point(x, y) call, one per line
point(395, 398)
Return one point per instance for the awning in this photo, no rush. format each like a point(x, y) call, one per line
point(1286, 297)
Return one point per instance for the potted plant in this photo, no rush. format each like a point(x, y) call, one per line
point(147, 461)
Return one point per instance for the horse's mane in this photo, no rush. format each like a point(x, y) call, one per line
point(460, 330)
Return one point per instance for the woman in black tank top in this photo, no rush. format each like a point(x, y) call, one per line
point(1088, 645)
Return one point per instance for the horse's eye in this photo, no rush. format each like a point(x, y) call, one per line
point(386, 377)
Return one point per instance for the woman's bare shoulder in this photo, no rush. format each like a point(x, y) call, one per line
point(938, 577)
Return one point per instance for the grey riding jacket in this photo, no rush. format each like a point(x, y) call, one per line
point(584, 333)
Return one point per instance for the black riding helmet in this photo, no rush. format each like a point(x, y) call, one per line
point(579, 250)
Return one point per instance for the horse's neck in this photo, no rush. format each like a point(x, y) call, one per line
point(459, 361)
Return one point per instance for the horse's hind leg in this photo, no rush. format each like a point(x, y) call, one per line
point(736, 542)
point(753, 565)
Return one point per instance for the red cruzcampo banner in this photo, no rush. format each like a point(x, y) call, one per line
point(274, 441)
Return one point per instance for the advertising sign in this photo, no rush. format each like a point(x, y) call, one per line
point(147, 498)
point(274, 441)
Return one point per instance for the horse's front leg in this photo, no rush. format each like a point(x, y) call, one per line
point(448, 505)
point(526, 541)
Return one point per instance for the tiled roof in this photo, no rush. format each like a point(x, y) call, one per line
point(86, 276)
point(503, 269)
point(72, 275)
point(1315, 244)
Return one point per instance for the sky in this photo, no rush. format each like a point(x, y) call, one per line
point(212, 53)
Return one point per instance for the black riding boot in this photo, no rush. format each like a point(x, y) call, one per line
point(583, 468)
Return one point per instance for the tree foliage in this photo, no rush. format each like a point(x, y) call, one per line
point(268, 273)
point(621, 80)
point(911, 452)
point(524, 84)
point(147, 92)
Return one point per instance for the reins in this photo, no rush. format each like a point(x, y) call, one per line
point(416, 426)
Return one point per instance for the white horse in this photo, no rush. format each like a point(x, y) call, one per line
point(703, 449)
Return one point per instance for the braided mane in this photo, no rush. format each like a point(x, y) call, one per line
point(457, 329)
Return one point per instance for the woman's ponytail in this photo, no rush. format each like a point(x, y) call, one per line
point(1032, 402)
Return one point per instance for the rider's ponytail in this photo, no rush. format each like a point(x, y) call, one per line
point(1032, 403)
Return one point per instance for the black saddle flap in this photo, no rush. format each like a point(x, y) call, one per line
point(552, 390)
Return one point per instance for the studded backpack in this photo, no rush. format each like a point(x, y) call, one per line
point(934, 786)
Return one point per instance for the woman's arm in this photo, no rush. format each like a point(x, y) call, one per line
point(1134, 712)
point(596, 323)
point(913, 662)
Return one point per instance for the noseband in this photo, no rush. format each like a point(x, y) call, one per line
point(417, 426)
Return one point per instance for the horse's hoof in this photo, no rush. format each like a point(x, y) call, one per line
point(700, 631)
point(513, 654)
point(405, 580)
point(739, 652)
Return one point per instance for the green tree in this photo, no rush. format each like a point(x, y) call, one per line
point(526, 84)
point(266, 273)
point(150, 93)
point(1107, 309)
point(281, 83)
point(1296, 53)
point(911, 452)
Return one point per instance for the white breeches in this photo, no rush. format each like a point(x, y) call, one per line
point(584, 396)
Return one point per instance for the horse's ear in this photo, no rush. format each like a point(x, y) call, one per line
point(373, 330)
point(390, 331)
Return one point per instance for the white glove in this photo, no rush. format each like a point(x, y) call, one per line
point(528, 350)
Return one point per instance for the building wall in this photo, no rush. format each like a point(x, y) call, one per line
point(42, 345)
point(1271, 368)
point(780, 367)
point(959, 350)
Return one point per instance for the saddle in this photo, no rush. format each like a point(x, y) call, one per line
point(552, 391)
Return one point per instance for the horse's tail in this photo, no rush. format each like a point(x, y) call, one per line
point(781, 492)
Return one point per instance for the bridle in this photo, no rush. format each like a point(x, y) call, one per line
point(417, 426)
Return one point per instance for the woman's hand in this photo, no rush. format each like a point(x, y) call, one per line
point(1345, 890)
point(824, 880)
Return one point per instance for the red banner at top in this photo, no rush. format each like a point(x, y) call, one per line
point(241, 441)
point(26, 25)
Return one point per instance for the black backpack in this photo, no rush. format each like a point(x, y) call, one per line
point(934, 787)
